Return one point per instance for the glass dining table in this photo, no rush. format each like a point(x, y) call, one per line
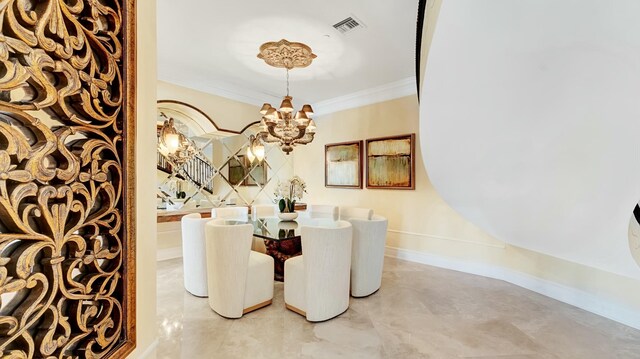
point(282, 239)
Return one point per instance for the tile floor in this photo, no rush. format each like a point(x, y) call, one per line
point(420, 312)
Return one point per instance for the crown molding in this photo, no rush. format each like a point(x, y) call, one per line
point(390, 91)
point(228, 91)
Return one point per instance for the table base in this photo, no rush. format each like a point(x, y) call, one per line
point(281, 250)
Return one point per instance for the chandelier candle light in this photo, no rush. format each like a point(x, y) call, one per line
point(282, 125)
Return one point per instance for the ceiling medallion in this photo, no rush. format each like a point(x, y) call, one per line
point(284, 125)
point(286, 54)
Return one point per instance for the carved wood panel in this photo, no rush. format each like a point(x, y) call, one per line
point(67, 265)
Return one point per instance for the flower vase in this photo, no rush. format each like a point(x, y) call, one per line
point(288, 216)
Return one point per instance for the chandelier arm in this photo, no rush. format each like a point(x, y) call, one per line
point(267, 137)
point(304, 142)
point(301, 131)
point(307, 138)
point(272, 132)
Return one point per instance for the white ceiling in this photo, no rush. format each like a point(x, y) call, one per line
point(212, 46)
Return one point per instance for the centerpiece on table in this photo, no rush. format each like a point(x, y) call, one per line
point(289, 191)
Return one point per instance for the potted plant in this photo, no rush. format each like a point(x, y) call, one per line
point(288, 193)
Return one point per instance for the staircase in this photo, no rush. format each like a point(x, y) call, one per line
point(197, 171)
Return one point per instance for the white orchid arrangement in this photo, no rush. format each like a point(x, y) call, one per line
point(289, 191)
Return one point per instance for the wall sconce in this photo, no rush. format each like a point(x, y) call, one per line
point(172, 142)
point(255, 149)
point(174, 145)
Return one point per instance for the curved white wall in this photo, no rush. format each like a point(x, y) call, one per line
point(530, 123)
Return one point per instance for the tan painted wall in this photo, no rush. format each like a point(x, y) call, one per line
point(145, 174)
point(421, 211)
point(421, 221)
point(226, 113)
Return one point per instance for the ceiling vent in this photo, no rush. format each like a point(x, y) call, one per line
point(348, 25)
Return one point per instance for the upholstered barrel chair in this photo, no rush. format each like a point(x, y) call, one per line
point(194, 259)
point(316, 284)
point(322, 211)
point(367, 256)
point(240, 213)
point(239, 280)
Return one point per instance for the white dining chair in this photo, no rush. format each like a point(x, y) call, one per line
point(240, 213)
point(264, 211)
point(316, 284)
point(355, 212)
point(322, 211)
point(367, 256)
point(194, 259)
point(239, 279)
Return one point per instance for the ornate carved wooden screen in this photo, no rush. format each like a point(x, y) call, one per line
point(66, 191)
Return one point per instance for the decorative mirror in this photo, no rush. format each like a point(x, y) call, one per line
point(200, 165)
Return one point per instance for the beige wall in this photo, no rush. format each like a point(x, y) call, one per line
point(422, 223)
point(421, 211)
point(228, 114)
point(145, 174)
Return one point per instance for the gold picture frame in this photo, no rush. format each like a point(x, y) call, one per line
point(343, 165)
point(391, 162)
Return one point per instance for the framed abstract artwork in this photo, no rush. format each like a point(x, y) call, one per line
point(391, 162)
point(343, 165)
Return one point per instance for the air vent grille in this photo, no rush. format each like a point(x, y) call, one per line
point(347, 25)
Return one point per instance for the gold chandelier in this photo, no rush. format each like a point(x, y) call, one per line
point(282, 125)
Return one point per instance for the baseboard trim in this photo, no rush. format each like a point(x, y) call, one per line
point(572, 296)
point(445, 238)
point(169, 253)
point(150, 349)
